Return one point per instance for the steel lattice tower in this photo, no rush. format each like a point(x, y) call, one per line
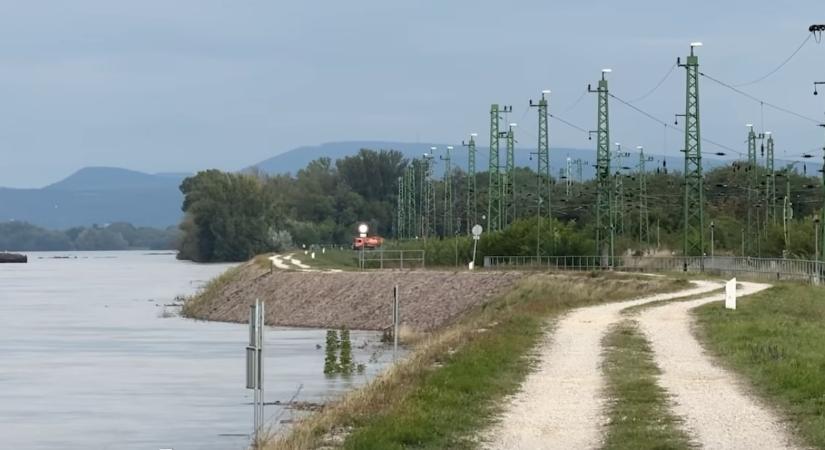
point(644, 212)
point(448, 193)
point(753, 182)
point(604, 188)
point(694, 201)
point(400, 215)
point(618, 186)
point(428, 197)
point(568, 181)
point(410, 188)
point(494, 186)
point(543, 150)
point(822, 219)
point(770, 180)
point(472, 200)
point(509, 176)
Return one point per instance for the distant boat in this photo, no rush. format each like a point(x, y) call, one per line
point(13, 258)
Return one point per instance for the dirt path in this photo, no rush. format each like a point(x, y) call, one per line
point(717, 410)
point(560, 405)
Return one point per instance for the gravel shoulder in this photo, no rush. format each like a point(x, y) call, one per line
point(560, 404)
point(716, 407)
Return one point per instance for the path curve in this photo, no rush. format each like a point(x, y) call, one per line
point(717, 409)
point(560, 404)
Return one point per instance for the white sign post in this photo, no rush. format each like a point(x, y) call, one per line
point(255, 365)
point(730, 294)
point(476, 236)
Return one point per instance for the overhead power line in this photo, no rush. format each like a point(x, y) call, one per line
point(759, 100)
point(655, 88)
point(780, 66)
point(567, 123)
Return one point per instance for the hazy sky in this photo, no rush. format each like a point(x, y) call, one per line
point(187, 85)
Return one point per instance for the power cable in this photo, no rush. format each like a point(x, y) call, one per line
point(658, 85)
point(759, 100)
point(567, 123)
point(805, 41)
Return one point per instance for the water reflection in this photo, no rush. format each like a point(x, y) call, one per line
point(88, 360)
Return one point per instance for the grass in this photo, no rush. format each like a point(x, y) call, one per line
point(638, 408)
point(210, 291)
point(776, 340)
point(453, 384)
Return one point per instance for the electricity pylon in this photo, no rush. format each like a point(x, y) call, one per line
point(694, 201)
point(568, 178)
point(604, 215)
point(494, 186)
point(448, 193)
point(428, 196)
point(644, 213)
point(472, 205)
point(509, 177)
point(618, 191)
point(770, 181)
point(411, 208)
point(400, 215)
point(543, 150)
point(752, 178)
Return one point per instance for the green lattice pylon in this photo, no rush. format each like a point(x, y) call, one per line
point(644, 212)
point(822, 213)
point(694, 198)
point(494, 185)
point(508, 177)
point(472, 199)
point(399, 210)
point(770, 180)
point(411, 210)
point(618, 191)
point(753, 182)
point(604, 182)
point(428, 197)
point(543, 152)
point(447, 226)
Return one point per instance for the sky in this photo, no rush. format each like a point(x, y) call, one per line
point(181, 86)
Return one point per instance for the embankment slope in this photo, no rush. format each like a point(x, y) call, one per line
point(357, 300)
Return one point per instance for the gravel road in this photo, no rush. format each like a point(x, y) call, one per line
point(717, 409)
point(560, 404)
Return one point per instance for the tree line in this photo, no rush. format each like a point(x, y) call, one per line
point(22, 236)
point(233, 216)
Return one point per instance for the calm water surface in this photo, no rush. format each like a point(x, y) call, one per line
point(88, 360)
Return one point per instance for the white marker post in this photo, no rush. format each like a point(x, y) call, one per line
point(730, 294)
point(476, 236)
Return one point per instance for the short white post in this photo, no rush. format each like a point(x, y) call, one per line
point(730, 294)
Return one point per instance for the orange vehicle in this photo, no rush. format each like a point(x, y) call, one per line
point(367, 243)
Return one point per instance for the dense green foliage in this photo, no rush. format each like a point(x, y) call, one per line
point(21, 236)
point(234, 216)
point(774, 338)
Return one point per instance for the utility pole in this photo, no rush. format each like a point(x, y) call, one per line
point(694, 202)
point(604, 197)
point(472, 203)
point(618, 190)
point(509, 176)
point(770, 181)
point(428, 194)
point(787, 215)
point(448, 193)
point(753, 189)
point(644, 213)
point(411, 221)
point(543, 201)
point(567, 178)
point(494, 185)
point(399, 208)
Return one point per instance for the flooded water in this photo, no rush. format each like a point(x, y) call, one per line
point(89, 360)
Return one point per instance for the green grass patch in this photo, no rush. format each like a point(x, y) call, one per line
point(638, 410)
point(776, 340)
point(453, 384)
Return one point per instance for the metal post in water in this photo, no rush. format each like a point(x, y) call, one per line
point(395, 320)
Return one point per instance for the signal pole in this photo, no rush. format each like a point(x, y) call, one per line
point(472, 205)
point(448, 193)
point(694, 202)
point(494, 185)
point(604, 197)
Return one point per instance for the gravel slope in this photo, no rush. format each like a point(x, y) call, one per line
point(717, 409)
point(560, 405)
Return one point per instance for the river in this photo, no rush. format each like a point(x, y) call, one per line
point(90, 359)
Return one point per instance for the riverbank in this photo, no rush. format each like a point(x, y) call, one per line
point(356, 300)
point(13, 258)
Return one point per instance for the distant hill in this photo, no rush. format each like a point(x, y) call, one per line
point(97, 195)
point(293, 160)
